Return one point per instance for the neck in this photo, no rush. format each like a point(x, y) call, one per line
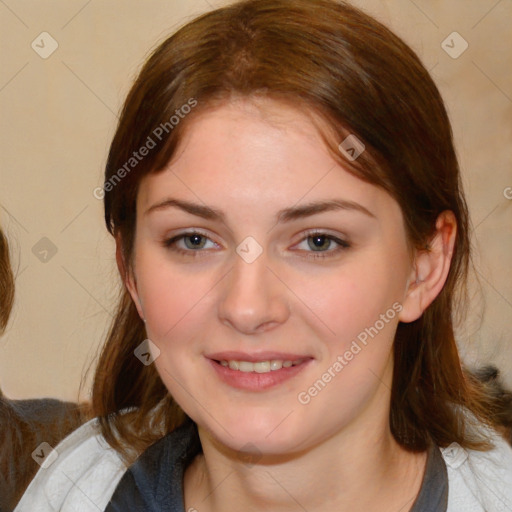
point(346, 472)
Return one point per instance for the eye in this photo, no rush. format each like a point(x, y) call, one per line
point(322, 243)
point(190, 242)
point(319, 242)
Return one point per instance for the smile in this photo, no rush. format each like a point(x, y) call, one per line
point(257, 372)
point(260, 366)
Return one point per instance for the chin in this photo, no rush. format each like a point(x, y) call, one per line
point(249, 437)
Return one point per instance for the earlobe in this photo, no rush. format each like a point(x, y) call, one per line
point(430, 269)
point(128, 277)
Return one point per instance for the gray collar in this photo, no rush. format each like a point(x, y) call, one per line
point(433, 495)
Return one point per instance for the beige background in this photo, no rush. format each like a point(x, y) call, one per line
point(59, 114)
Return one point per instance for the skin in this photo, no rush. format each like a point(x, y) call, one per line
point(251, 161)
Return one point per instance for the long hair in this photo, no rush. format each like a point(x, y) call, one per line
point(6, 283)
point(328, 59)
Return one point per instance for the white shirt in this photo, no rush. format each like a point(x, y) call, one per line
point(83, 473)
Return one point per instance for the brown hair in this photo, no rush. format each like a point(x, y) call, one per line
point(329, 59)
point(6, 283)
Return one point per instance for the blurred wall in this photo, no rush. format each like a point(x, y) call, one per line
point(65, 69)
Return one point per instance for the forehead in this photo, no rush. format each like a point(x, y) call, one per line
point(264, 154)
point(250, 136)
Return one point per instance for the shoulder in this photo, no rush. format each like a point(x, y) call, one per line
point(479, 481)
point(24, 425)
point(80, 473)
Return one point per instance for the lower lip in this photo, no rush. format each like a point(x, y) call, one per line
point(252, 381)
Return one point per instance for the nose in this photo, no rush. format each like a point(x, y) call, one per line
point(254, 300)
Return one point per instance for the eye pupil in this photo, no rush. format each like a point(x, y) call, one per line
point(316, 242)
point(194, 241)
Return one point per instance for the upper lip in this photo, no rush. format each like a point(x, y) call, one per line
point(255, 357)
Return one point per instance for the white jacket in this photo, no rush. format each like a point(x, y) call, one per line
point(84, 472)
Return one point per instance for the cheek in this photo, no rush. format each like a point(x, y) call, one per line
point(165, 300)
point(175, 300)
point(353, 299)
point(177, 309)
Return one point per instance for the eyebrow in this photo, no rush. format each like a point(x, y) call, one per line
point(285, 215)
point(314, 208)
point(195, 209)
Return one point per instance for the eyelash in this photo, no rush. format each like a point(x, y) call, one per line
point(171, 244)
point(342, 244)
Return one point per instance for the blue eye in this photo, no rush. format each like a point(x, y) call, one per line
point(322, 244)
point(314, 245)
point(189, 242)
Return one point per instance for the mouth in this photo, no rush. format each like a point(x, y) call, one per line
point(257, 372)
point(272, 365)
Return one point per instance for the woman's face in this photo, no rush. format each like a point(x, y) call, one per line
point(255, 251)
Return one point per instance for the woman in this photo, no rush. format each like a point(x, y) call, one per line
point(293, 239)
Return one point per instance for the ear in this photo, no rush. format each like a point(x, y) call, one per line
point(430, 269)
point(128, 276)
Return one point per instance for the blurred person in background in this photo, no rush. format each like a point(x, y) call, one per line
point(25, 424)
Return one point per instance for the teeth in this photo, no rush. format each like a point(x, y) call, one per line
point(276, 365)
point(260, 366)
point(245, 366)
